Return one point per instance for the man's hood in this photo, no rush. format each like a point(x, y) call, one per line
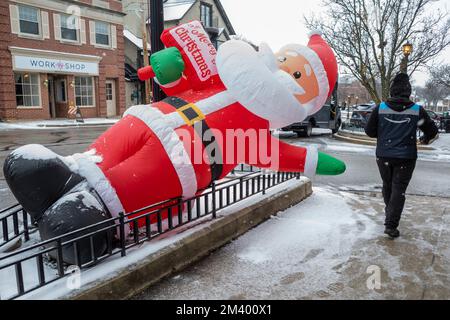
point(400, 104)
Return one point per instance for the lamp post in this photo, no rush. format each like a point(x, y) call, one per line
point(407, 50)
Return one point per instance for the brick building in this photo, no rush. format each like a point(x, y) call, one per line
point(57, 54)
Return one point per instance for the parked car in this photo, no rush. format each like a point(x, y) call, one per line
point(446, 122)
point(329, 117)
point(361, 114)
point(437, 118)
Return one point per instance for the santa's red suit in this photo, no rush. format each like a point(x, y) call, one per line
point(152, 155)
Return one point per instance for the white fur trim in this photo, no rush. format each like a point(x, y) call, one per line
point(314, 32)
point(319, 70)
point(207, 106)
point(171, 142)
point(312, 158)
point(168, 85)
point(85, 164)
point(251, 82)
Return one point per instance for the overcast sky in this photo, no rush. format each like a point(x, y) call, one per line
point(281, 21)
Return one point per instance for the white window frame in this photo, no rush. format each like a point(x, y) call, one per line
point(78, 41)
point(109, 93)
point(39, 22)
point(211, 13)
point(39, 94)
point(109, 45)
point(93, 92)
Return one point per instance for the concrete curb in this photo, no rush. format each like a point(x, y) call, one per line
point(55, 126)
point(197, 245)
point(357, 139)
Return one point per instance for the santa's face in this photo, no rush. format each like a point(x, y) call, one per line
point(300, 69)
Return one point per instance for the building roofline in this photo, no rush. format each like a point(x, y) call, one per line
point(78, 3)
point(225, 17)
point(222, 12)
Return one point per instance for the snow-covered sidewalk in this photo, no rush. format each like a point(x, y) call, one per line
point(55, 124)
point(331, 246)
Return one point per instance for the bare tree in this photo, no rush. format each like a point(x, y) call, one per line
point(368, 35)
point(432, 93)
point(441, 75)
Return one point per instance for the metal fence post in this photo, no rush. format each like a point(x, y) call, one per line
point(26, 232)
point(264, 184)
point(214, 200)
point(59, 256)
point(122, 234)
point(241, 188)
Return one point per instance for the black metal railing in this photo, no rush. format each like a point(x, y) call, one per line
point(14, 224)
point(144, 225)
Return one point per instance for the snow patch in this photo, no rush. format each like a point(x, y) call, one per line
point(34, 152)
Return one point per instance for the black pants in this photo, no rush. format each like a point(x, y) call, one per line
point(396, 175)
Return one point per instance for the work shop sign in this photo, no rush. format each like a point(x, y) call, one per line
point(53, 65)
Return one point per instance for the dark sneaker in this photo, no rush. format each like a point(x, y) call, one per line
point(392, 233)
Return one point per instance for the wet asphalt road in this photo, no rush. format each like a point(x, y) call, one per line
point(431, 178)
point(63, 141)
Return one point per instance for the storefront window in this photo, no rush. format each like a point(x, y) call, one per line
point(29, 20)
point(69, 28)
point(84, 92)
point(102, 31)
point(27, 89)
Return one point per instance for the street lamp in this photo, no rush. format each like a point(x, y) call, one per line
point(407, 50)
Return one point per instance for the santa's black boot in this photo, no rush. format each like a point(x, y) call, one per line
point(57, 199)
point(78, 209)
point(38, 177)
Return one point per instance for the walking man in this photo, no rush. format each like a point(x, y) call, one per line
point(395, 123)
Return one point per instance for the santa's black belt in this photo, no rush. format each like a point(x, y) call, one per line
point(193, 117)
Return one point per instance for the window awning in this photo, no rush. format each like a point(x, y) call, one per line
point(130, 73)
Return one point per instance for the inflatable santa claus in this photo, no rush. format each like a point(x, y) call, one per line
point(219, 113)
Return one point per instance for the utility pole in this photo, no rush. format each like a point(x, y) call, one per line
point(156, 14)
point(148, 91)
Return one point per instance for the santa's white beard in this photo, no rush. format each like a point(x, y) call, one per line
point(270, 60)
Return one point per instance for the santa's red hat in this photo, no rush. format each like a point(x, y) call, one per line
point(327, 57)
point(323, 62)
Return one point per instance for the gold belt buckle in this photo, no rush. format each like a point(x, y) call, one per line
point(200, 116)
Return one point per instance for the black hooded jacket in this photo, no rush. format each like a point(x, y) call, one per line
point(395, 124)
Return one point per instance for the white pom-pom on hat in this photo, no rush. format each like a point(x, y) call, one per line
point(314, 32)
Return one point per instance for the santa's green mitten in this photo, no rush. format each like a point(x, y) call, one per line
point(329, 166)
point(168, 65)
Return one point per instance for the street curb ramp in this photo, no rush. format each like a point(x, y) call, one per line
point(192, 248)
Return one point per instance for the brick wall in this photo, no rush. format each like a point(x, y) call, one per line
point(7, 91)
point(111, 67)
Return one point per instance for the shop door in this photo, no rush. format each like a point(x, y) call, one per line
point(51, 96)
point(111, 108)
